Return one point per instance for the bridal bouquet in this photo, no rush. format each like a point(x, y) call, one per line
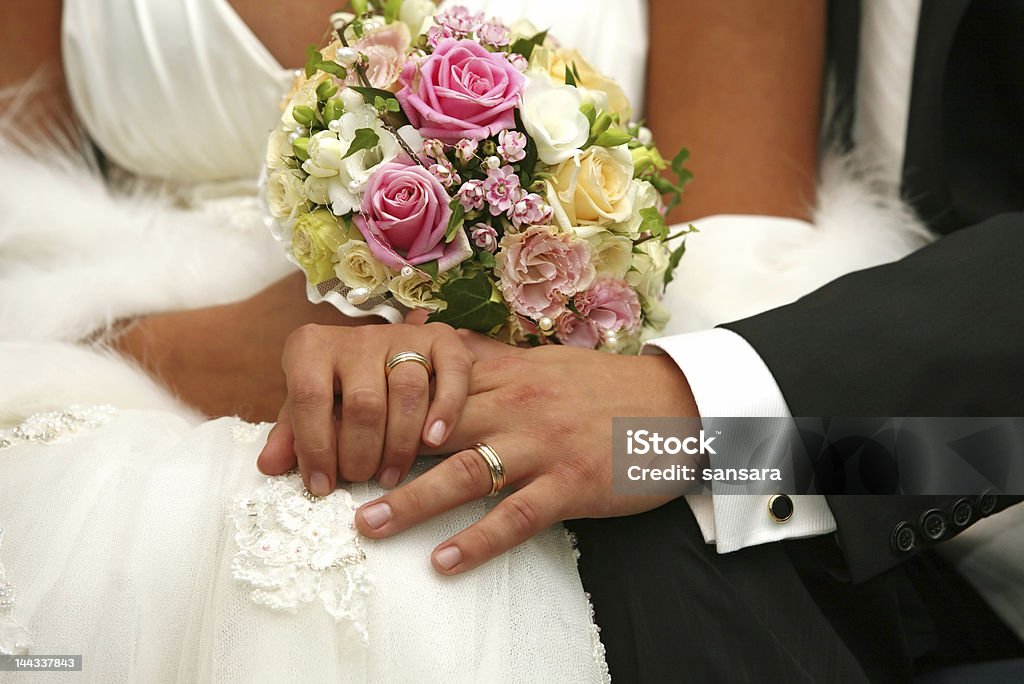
point(477, 170)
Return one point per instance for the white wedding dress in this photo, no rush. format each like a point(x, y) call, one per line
point(141, 536)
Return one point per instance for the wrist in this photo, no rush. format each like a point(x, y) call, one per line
point(672, 395)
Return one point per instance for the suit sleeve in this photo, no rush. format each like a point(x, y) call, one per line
point(939, 333)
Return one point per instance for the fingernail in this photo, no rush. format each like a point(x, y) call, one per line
point(319, 484)
point(448, 557)
point(377, 515)
point(389, 478)
point(436, 433)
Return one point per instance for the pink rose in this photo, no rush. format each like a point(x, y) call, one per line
point(611, 304)
point(404, 217)
point(577, 332)
point(460, 91)
point(385, 51)
point(540, 269)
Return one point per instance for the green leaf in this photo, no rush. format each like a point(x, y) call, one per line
point(313, 58)
point(369, 94)
point(651, 221)
point(360, 6)
point(431, 268)
point(471, 304)
point(679, 160)
point(524, 46)
point(303, 115)
point(529, 162)
point(673, 262)
point(569, 78)
point(456, 220)
point(486, 259)
point(332, 68)
point(613, 137)
point(364, 139)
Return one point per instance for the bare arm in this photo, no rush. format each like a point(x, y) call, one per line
point(739, 84)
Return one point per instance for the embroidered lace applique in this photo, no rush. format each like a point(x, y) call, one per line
point(57, 426)
point(246, 433)
point(294, 548)
point(599, 653)
point(14, 639)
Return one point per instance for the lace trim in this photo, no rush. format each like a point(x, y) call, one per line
point(599, 653)
point(14, 639)
point(57, 426)
point(294, 549)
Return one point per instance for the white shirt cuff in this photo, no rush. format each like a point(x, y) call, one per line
point(728, 378)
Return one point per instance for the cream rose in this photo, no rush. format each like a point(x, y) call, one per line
point(315, 239)
point(611, 254)
point(551, 114)
point(414, 289)
point(593, 188)
point(589, 79)
point(357, 267)
point(284, 194)
point(645, 196)
point(647, 275)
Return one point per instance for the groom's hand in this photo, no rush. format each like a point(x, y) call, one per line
point(547, 412)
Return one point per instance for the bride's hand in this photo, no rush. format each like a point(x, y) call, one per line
point(547, 412)
point(226, 360)
point(383, 416)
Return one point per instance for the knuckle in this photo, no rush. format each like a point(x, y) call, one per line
point(485, 541)
point(470, 471)
point(507, 365)
point(357, 470)
point(306, 398)
point(304, 336)
point(522, 516)
point(408, 387)
point(364, 407)
point(314, 451)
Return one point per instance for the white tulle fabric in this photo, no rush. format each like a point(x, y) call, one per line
point(158, 551)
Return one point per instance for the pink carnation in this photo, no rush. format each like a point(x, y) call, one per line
point(611, 304)
point(539, 269)
point(576, 331)
point(460, 91)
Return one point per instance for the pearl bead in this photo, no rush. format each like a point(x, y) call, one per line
point(358, 295)
point(492, 163)
point(335, 126)
point(407, 271)
point(293, 136)
point(347, 56)
point(611, 340)
point(545, 324)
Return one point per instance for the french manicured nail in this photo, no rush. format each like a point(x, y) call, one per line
point(436, 433)
point(389, 478)
point(448, 557)
point(377, 515)
point(319, 484)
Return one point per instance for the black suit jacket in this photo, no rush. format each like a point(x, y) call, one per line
point(940, 333)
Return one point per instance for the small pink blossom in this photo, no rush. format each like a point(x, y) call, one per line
point(577, 331)
point(485, 237)
point(512, 145)
point(433, 148)
point(530, 210)
point(501, 189)
point(494, 33)
point(518, 62)
point(465, 149)
point(611, 304)
point(459, 21)
point(445, 173)
point(471, 195)
point(435, 34)
point(539, 269)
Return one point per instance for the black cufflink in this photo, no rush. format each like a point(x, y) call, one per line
point(903, 538)
point(963, 512)
point(934, 524)
point(780, 507)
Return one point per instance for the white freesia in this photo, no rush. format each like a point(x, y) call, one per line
point(346, 176)
point(552, 116)
point(414, 290)
point(647, 275)
point(416, 14)
point(357, 267)
point(611, 254)
point(284, 193)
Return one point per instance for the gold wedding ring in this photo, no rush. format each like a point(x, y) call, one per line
point(494, 465)
point(415, 357)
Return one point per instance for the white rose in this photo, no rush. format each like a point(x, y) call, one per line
point(284, 194)
point(415, 290)
point(656, 317)
point(593, 188)
point(278, 149)
point(645, 196)
point(647, 275)
point(416, 14)
point(611, 254)
point(552, 116)
point(357, 267)
point(347, 176)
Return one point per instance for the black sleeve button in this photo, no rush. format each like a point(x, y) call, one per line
point(780, 507)
point(903, 538)
point(934, 524)
point(987, 502)
point(963, 512)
